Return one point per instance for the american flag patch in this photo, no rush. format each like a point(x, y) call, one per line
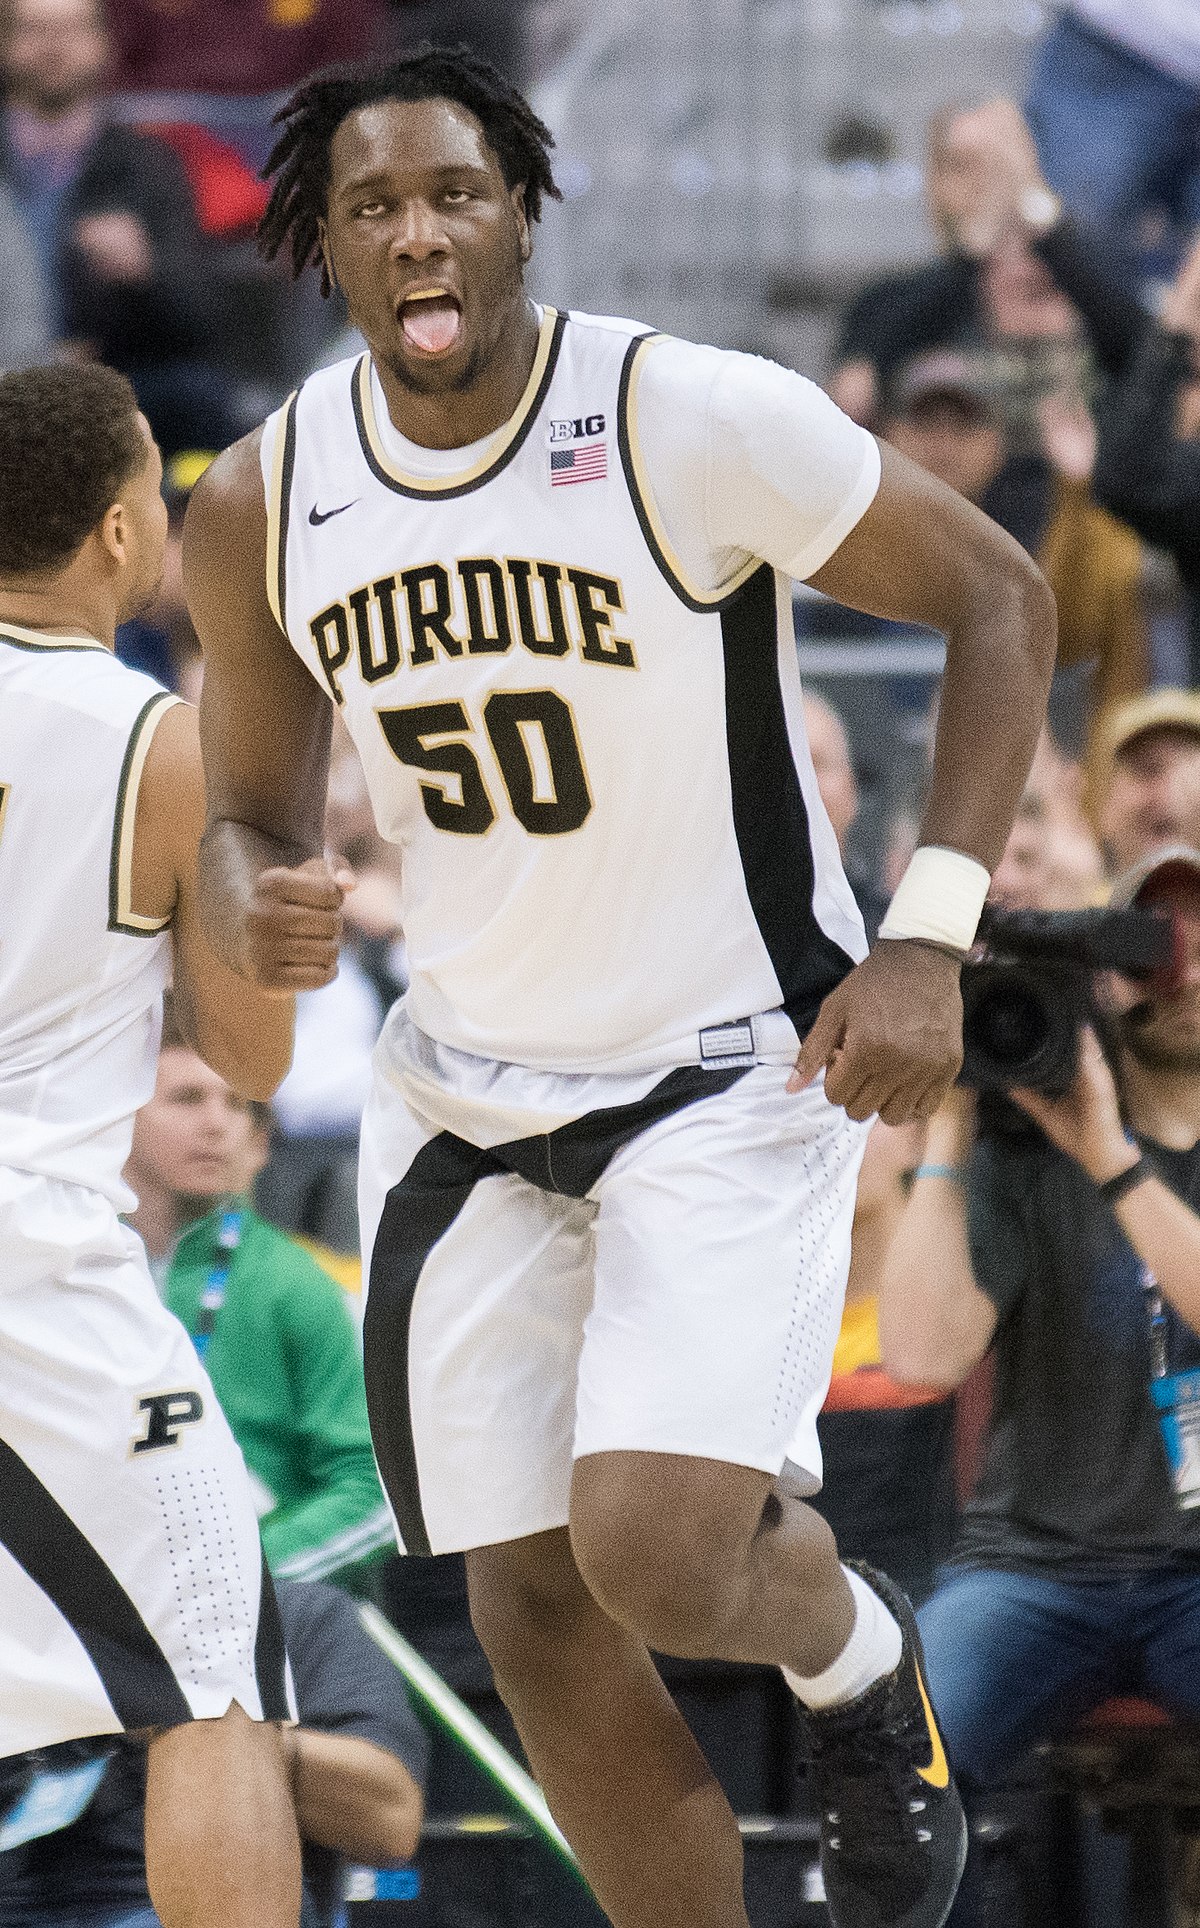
point(587, 464)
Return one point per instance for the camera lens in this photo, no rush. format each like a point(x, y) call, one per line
point(1010, 1025)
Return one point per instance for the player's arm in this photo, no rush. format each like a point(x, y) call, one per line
point(353, 1795)
point(241, 1032)
point(270, 904)
point(890, 1037)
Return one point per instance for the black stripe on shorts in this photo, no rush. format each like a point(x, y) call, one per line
point(45, 1541)
point(422, 1207)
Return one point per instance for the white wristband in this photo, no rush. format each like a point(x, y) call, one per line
point(939, 899)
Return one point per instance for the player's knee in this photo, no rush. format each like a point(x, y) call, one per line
point(523, 1606)
point(660, 1577)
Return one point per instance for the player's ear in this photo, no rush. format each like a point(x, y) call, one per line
point(113, 532)
point(326, 255)
point(524, 239)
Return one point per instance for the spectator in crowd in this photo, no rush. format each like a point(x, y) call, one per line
point(1115, 104)
point(25, 338)
point(838, 785)
point(273, 1329)
point(1148, 452)
point(941, 415)
point(1052, 860)
point(112, 220)
point(1017, 276)
point(357, 1760)
point(1145, 777)
point(1071, 1248)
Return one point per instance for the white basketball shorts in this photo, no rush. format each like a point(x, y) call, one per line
point(131, 1580)
point(565, 1265)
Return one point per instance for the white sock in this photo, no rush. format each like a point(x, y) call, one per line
point(871, 1653)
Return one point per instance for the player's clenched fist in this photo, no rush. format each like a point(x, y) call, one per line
point(293, 925)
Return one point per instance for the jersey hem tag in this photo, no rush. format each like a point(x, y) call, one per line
point(728, 1044)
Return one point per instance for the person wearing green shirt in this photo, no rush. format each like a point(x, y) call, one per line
point(273, 1329)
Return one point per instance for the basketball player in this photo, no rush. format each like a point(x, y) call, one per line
point(130, 1588)
point(540, 565)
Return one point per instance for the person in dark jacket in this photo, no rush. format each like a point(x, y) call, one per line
point(112, 219)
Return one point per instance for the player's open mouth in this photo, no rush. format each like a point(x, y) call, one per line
point(431, 320)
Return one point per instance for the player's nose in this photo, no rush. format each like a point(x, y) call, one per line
point(419, 232)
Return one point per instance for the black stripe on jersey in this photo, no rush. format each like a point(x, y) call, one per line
point(770, 817)
point(44, 1540)
point(495, 468)
point(420, 1210)
point(270, 1662)
point(119, 886)
point(284, 506)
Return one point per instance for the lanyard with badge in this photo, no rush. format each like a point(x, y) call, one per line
point(212, 1298)
point(1176, 1397)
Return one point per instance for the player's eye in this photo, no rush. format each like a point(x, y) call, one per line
point(368, 210)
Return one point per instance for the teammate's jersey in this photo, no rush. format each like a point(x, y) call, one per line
point(81, 975)
point(612, 841)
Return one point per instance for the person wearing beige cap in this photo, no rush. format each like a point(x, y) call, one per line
point(1145, 775)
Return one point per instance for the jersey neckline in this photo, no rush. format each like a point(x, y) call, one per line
point(502, 447)
point(22, 638)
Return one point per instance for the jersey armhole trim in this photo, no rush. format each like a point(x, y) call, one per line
point(702, 601)
point(279, 497)
point(121, 914)
point(512, 436)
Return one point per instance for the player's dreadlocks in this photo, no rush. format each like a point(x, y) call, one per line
point(299, 161)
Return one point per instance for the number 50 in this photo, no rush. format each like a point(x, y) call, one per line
point(532, 733)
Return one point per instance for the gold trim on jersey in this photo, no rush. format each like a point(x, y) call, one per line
point(22, 638)
point(643, 497)
point(278, 492)
point(499, 445)
point(121, 914)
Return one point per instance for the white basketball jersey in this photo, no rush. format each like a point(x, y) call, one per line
point(610, 830)
point(81, 975)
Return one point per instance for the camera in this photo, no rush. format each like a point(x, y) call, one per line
point(1030, 993)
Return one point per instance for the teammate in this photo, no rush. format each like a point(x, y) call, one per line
point(131, 1596)
point(539, 563)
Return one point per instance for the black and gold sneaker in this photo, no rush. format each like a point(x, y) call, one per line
point(893, 1834)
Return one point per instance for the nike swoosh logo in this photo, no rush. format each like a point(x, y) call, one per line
point(316, 518)
point(937, 1774)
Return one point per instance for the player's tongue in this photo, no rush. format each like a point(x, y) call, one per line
point(430, 323)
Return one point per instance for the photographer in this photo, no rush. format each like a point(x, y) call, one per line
point(1073, 1250)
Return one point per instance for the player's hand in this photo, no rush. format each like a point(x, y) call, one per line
point(293, 927)
point(889, 1038)
point(1086, 1121)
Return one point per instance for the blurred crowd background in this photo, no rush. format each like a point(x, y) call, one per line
point(974, 222)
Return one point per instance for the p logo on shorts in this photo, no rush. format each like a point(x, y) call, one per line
point(165, 1414)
